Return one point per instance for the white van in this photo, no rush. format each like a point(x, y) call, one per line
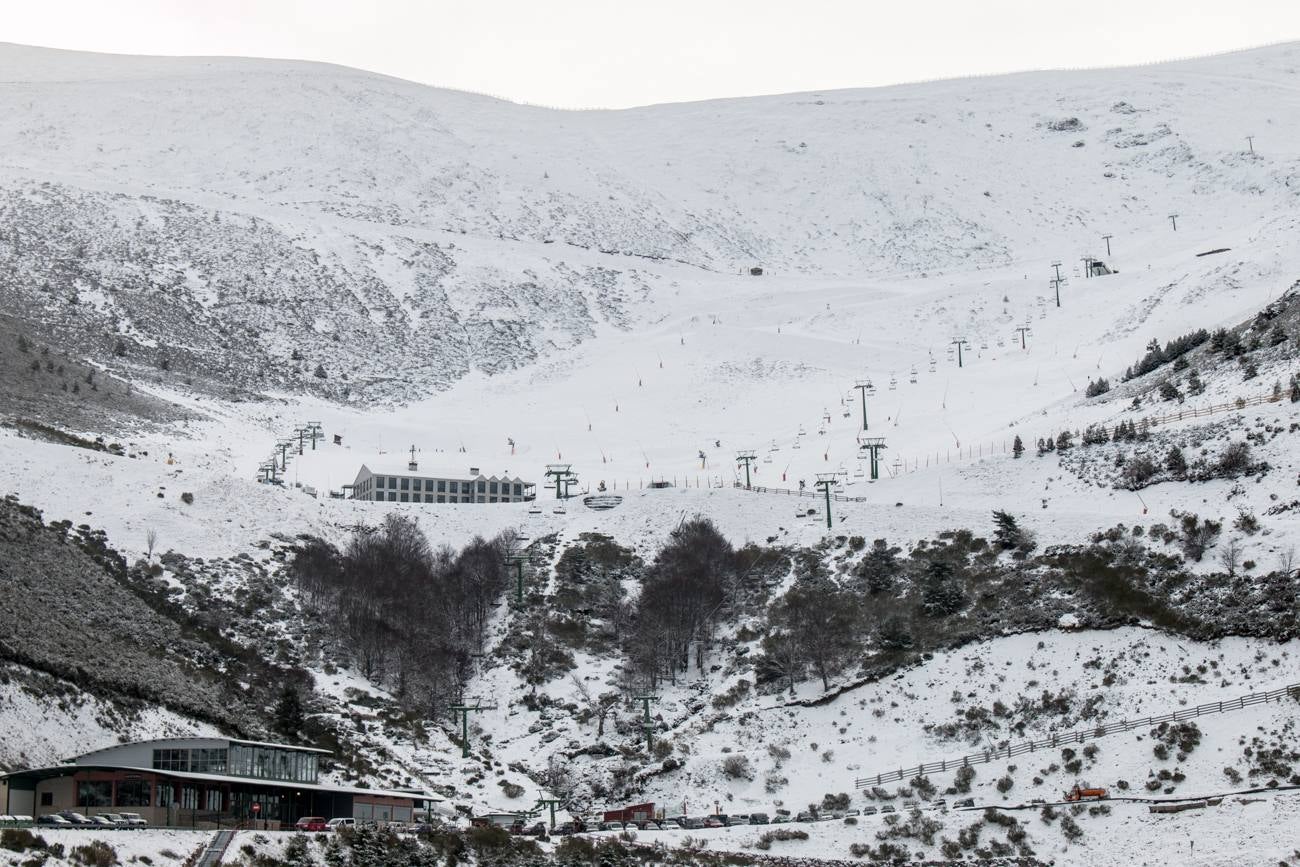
point(337, 824)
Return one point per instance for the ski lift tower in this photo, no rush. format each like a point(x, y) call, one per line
point(563, 475)
point(875, 445)
point(865, 387)
point(959, 343)
point(647, 724)
point(826, 481)
point(1022, 331)
point(316, 432)
point(518, 558)
point(746, 457)
point(465, 710)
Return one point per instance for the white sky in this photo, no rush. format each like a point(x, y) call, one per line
point(616, 53)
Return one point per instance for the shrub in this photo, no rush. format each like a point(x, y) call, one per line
point(1004, 785)
point(1070, 829)
point(96, 853)
point(187, 498)
point(737, 768)
point(965, 774)
point(20, 840)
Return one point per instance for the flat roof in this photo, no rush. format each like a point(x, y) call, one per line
point(201, 738)
point(63, 770)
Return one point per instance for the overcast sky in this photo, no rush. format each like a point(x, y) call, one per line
point(578, 53)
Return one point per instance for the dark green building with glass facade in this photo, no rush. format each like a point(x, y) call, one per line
point(203, 782)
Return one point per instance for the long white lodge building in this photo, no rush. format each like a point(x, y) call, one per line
point(410, 485)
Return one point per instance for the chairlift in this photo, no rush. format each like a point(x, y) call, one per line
point(859, 472)
point(1000, 342)
point(560, 510)
point(984, 344)
point(846, 413)
point(893, 382)
point(821, 431)
point(534, 509)
point(767, 459)
point(795, 445)
point(802, 432)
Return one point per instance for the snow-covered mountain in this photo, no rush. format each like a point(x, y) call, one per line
point(197, 256)
point(252, 219)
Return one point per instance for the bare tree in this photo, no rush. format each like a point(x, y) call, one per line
point(150, 540)
point(1286, 562)
point(1230, 556)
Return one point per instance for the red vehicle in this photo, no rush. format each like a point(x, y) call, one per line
point(1080, 793)
point(311, 823)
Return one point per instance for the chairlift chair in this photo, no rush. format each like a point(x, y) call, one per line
point(560, 510)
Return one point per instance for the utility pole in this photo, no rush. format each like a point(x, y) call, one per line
point(865, 387)
point(746, 457)
point(1250, 140)
point(1022, 331)
point(826, 481)
point(1173, 218)
point(647, 724)
point(1057, 266)
point(564, 476)
point(548, 802)
point(1107, 238)
point(1057, 284)
point(1087, 266)
point(465, 710)
point(959, 343)
point(875, 445)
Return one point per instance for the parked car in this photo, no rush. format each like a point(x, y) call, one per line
point(714, 822)
point(888, 808)
point(134, 820)
point(341, 822)
point(537, 829)
point(805, 816)
point(311, 823)
point(116, 819)
point(869, 811)
point(75, 818)
point(940, 804)
point(780, 818)
point(737, 820)
point(691, 823)
point(102, 821)
point(759, 819)
point(54, 819)
point(835, 815)
point(848, 813)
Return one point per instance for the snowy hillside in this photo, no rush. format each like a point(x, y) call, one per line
point(200, 256)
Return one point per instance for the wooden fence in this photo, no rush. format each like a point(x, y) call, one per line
point(1077, 737)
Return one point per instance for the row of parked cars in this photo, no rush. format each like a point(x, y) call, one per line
point(691, 823)
point(72, 819)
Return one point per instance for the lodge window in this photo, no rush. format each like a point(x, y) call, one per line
point(212, 800)
point(406, 484)
point(428, 498)
point(132, 793)
point(406, 498)
point(189, 798)
point(95, 794)
point(492, 487)
point(165, 795)
point(392, 496)
point(442, 498)
point(482, 487)
point(208, 761)
point(47, 799)
point(442, 486)
point(379, 481)
point(171, 760)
